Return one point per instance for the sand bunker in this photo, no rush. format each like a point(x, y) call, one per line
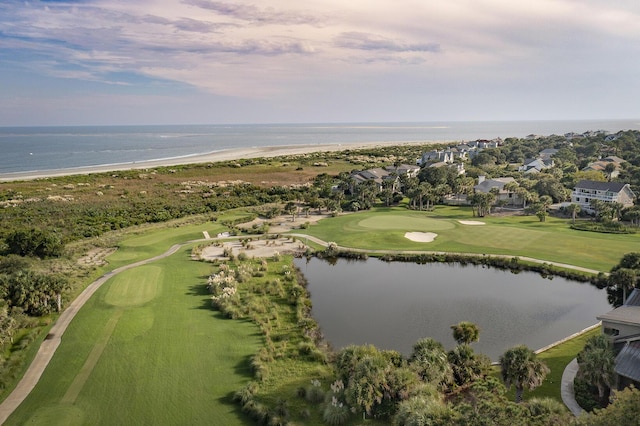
point(421, 237)
point(471, 222)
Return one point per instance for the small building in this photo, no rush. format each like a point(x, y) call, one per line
point(609, 192)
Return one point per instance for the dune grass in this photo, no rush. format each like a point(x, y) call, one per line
point(524, 236)
point(154, 356)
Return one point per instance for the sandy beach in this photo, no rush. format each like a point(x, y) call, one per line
point(226, 155)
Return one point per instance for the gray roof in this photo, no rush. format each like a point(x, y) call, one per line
point(499, 183)
point(623, 315)
point(601, 186)
point(634, 298)
point(628, 361)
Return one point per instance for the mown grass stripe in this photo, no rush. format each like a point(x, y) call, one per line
point(81, 378)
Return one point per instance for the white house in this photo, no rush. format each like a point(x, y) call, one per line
point(609, 192)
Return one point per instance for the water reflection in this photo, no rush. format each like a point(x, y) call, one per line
point(393, 304)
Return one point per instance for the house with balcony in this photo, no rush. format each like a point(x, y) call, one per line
point(609, 192)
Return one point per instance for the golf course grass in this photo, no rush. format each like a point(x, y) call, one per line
point(523, 236)
point(147, 349)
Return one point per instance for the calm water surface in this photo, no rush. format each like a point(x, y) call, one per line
point(392, 305)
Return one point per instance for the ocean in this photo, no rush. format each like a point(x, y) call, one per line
point(28, 149)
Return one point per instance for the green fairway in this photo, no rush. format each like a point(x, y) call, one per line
point(524, 236)
point(146, 349)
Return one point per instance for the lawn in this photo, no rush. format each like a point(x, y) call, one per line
point(524, 236)
point(147, 349)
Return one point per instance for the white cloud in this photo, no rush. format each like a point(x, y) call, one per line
point(280, 49)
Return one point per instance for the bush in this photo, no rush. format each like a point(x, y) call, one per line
point(335, 413)
point(315, 394)
point(586, 395)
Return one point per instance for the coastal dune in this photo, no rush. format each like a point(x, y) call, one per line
point(212, 157)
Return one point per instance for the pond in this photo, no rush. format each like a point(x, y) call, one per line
point(393, 304)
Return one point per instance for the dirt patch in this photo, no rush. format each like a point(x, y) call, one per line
point(252, 249)
point(96, 257)
point(421, 237)
point(283, 223)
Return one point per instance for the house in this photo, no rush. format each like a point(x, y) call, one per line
point(608, 192)
point(536, 165)
point(623, 326)
point(497, 185)
point(378, 175)
point(602, 164)
point(459, 167)
point(547, 153)
point(404, 169)
point(437, 156)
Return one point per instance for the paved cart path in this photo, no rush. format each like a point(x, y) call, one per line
point(51, 343)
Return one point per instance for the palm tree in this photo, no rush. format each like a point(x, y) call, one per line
point(429, 359)
point(465, 332)
point(623, 279)
point(573, 210)
point(597, 363)
point(467, 365)
point(521, 367)
point(609, 169)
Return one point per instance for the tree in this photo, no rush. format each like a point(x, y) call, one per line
point(467, 365)
point(573, 209)
point(429, 359)
point(7, 325)
point(609, 169)
point(368, 383)
point(465, 332)
point(623, 279)
point(481, 203)
point(597, 365)
point(623, 410)
point(34, 242)
point(292, 209)
point(521, 367)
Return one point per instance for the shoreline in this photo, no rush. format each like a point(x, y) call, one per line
point(212, 157)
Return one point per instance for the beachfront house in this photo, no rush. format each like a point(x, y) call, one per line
point(622, 325)
point(609, 192)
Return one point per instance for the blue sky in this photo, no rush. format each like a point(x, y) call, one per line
point(209, 62)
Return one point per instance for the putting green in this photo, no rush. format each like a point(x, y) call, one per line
point(134, 287)
point(405, 223)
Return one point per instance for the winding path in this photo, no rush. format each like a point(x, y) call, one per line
point(50, 344)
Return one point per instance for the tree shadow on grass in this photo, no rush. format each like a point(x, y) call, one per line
point(200, 290)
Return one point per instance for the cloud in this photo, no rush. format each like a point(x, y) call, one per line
point(255, 15)
point(280, 50)
point(364, 41)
